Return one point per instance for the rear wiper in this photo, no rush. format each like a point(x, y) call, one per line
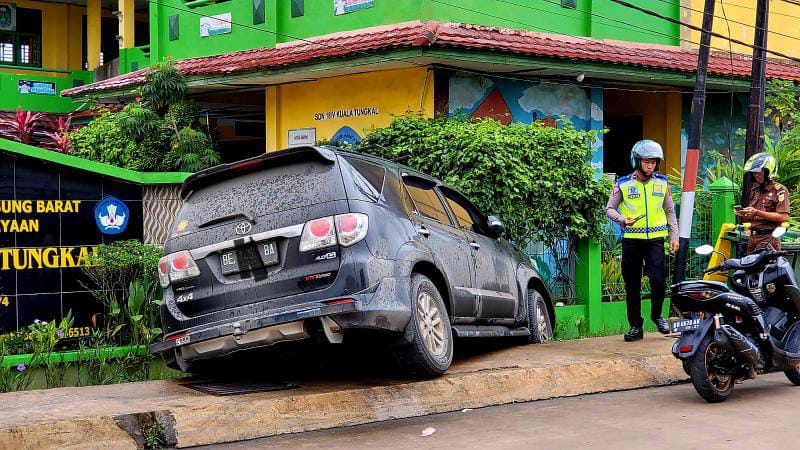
point(226, 218)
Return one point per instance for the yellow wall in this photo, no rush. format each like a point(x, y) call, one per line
point(393, 92)
point(61, 34)
point(784, 18)
point(661, 119)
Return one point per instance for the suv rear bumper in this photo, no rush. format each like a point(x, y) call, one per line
point(380, 308)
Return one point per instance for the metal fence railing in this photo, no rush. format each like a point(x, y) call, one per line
point(557, 268)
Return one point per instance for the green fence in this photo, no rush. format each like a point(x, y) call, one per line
point(599, 304)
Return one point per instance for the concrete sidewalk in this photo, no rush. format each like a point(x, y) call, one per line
point(114, 416)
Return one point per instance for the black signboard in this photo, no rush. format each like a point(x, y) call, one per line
point(51, 220)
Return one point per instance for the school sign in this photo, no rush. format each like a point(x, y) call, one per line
point(54, 211)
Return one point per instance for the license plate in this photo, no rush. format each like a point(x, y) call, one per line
point(239, 260)
point(268, 252)
point(680, 326)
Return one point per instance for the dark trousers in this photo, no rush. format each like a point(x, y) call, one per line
point(651, 252)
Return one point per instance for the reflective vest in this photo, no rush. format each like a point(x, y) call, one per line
point(644, 199)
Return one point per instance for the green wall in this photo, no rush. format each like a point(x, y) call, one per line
point(11, 99)
point(132, 59)
point(613, 21)
point(601, 19)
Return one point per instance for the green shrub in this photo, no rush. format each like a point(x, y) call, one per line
point(124, 276)
point(159, 133)
point(190, 151)
point(103, 140)
point(537, 179)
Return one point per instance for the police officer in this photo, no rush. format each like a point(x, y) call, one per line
point(768, 206)
point(641, 203)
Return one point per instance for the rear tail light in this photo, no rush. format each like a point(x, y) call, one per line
point(351, 228)
point(685, 348)
point(317, 234)
point(177, 267)
point(321, 233)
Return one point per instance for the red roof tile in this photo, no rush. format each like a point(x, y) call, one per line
point(455, 35)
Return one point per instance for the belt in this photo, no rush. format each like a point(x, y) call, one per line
point(761, 232)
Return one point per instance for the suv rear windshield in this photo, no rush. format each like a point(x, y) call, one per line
point(266, 191)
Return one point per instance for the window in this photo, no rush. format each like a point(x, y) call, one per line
point(425, 198)
point(23, 46)
point(467, 215)
point(463, 218)
point(6, 48)
point(371, 172)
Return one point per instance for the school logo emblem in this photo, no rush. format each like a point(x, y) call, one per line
point(111, 216)
point(633, 192)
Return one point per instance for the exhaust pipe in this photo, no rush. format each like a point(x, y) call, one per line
point(743, 346)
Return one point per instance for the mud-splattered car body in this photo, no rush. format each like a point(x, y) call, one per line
point(316, 241)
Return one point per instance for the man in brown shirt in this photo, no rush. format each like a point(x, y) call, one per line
point(768, 206)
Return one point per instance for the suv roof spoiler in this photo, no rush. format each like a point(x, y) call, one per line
point(272, 159)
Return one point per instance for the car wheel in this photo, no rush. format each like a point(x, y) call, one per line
point(430, 350)
point(538, 319)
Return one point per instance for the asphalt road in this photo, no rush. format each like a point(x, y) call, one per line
point(762, 414)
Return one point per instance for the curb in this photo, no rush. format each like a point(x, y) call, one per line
point(322, 409)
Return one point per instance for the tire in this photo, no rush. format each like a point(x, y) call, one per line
point(687, 367)
point(430, 349)
point(713, 388)
point(538, 319)
point(793, 375)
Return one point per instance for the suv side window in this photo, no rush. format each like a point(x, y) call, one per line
point(425, 198)
point(372, 172)
point(467, 215)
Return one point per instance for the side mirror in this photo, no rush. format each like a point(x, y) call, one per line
point(704, 250)
point(778, 232)
point(496, 226)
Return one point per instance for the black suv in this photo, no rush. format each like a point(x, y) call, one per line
point(320, 242)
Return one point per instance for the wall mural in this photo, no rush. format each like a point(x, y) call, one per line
point(723, 117)
point(527, 101)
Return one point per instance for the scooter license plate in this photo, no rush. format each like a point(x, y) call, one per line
point(679, 326)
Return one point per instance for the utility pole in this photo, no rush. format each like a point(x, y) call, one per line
point(693, 144)
point(754, 140)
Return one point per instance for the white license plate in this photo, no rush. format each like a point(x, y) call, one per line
point(680, 326)
point(183, 340)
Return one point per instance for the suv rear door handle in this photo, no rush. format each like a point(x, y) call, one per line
point(474, 245)
point(423, 231)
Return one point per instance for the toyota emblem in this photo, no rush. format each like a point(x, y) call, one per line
point(243, 228)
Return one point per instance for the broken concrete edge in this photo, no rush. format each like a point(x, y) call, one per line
point(302, 412)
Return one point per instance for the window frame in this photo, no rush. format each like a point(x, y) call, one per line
point(16, 54)
point(436, 193)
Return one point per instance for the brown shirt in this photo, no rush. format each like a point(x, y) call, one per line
point(770, 197)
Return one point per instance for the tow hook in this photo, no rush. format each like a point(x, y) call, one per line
point(238, 332)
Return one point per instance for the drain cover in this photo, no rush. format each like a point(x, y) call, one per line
point(237, 388)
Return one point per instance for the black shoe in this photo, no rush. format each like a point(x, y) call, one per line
point(634, 334)
point(662, 325)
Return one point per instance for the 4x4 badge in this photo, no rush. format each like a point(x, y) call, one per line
point(243, 228)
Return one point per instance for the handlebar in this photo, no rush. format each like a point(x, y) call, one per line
point(717, 268)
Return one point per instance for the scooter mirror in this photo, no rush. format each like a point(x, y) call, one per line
point(704, 250)
point(778, 232)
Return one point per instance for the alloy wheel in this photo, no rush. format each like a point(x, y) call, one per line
point(431, 326)
point(719, 382)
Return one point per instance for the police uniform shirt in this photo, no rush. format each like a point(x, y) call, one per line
point(770, 197)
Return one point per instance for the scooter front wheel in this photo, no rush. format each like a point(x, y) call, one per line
point(793, 375)
point(712, 386)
